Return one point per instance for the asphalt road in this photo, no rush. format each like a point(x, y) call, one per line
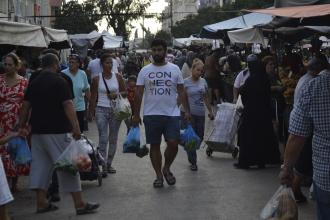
point(216, 191)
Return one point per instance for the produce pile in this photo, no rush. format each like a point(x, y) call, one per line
point(80, 163)
point(123, 114)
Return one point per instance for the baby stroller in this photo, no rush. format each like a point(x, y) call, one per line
point(97, 160)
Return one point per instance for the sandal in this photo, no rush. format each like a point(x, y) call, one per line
point(88, 209)
point(169, 177)
point(158, 183)
point(49, 208)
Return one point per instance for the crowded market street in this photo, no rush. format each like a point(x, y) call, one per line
point(216, 191)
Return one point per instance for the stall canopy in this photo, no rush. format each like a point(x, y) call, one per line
point(247, 35)
point(21, 34)
point(55, 38)
point(82, 42)
point(111, 42)
point(186, 42)
point(297, 12)
point(288, 3)
point(213, 31)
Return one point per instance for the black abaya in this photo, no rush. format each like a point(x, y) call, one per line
point(257, 140)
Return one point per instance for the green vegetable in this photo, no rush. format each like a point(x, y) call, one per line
point(70, 168)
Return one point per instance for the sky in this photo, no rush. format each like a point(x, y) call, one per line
point(157, 6)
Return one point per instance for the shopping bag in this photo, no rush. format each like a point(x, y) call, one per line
point(281, 205)
point(239, 103)
point(122, 108)
point(19, 151)
point(132, 142)
point(74, 158)
point(189, 139)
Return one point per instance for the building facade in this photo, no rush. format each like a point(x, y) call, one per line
point(29, 11)
point(180, 9)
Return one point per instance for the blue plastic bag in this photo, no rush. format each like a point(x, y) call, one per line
point(132, 142)
point(189, 139)
point(19, 151)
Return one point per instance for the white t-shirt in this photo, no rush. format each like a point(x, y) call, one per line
point(160, 83)
point(241, 78)
point(95, 67)
point(113, 86)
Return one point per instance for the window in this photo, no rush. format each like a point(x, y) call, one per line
point(4, 7)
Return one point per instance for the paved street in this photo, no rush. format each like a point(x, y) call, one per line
point(216, 191)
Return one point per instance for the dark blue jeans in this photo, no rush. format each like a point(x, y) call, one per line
point(198, 124)
point(322, 203)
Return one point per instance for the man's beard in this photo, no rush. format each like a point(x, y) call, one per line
point(158, 59)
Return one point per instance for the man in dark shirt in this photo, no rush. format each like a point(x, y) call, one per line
point(49, 99)
point(66, 77)
point(53, 191)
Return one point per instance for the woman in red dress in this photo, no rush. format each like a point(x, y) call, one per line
point(12, 88)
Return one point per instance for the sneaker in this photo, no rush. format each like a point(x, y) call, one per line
point(193, 167)
point(111, 170)
point(88, 209)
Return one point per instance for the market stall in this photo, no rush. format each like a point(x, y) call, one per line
point(20, 34)
point(55, 38)
point(217, 30)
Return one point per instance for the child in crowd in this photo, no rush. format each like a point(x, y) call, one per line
point(131, 86)
point(5, 194)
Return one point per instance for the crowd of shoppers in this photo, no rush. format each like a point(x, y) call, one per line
point(177, 88)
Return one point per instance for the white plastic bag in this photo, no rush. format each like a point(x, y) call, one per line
point(122, 108)
point(281, 204)
point(74, 158)
point(239, 103)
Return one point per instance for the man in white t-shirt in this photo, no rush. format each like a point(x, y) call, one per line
point(94, 67)
point(161, 83)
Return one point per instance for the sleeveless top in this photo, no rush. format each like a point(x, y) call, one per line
point(113, 85)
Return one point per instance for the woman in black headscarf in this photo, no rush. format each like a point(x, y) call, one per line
point(257, 140)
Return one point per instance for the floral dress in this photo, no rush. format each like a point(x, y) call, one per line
point(11, 99)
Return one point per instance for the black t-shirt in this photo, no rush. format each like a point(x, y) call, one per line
point(66, 77)
point(46, 93)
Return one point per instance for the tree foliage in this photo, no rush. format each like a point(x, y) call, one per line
point(77, 18)
point(192, 24)
point(120, 14)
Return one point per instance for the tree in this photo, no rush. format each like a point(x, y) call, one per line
point(77, 18)
point(148, 37)
point(120, 14)
point(192, 24)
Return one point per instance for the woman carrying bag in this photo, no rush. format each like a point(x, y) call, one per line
point(106, 90)
point(196, 94)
